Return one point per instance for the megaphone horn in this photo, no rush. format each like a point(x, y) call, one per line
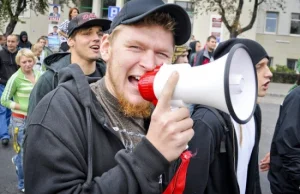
point(228, 84)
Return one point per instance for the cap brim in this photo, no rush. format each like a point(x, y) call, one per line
point(183, 24)
point(104, 23)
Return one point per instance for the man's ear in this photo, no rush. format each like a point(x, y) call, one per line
point(70, 42)
point(105, 47)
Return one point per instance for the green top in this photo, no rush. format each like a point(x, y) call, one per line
point(18, 87)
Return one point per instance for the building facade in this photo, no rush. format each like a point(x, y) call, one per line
point(277, 30)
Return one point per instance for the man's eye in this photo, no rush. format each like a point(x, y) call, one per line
point(164, 55)
point(86, 33)
point(135, 47)
point(100, 34)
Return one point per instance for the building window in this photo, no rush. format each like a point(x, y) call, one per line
point(271, 22)
point(188, 7)
point(270, 63)
point(295, 23)
point(292, 63)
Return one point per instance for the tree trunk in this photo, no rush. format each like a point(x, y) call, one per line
point(10, 27)
point(234, 34)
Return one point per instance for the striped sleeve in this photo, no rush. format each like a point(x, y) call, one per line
point(9, 91)
point(64, 26)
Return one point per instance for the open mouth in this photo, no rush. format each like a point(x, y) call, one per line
point(95, 48)
point(266, 84)
point(134, 79)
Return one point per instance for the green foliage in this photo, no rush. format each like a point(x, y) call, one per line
point(282, 69)
point(282, 74)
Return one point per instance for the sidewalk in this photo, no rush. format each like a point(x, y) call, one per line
point(278, 90)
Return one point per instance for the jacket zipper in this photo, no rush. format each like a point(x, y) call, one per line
point(110, 130)
point(233, 146)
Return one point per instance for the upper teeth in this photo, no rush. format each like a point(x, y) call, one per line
point(137, 77)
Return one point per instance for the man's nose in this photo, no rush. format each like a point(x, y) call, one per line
point(148, 61)
point(268, 73)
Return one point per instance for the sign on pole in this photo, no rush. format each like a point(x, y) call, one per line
point(112, 12)
point(216, 27)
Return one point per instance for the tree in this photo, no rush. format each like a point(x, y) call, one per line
point(10, 11)
point(231, 10)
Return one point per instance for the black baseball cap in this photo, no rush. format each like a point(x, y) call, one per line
point(135, 10)
point(85, 20)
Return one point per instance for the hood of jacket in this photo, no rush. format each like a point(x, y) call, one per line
point(23, 33)
point(57, 61)
point(193, 46)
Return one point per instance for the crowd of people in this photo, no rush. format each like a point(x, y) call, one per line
point(79, 124)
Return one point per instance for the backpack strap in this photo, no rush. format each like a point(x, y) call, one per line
point(224, 125)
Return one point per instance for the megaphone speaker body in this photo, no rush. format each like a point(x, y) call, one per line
point(228, 84)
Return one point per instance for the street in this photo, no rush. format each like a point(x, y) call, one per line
point(270, 110)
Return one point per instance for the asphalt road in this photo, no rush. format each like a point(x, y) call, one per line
point(270, 111)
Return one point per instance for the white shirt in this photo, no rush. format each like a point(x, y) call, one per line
point(244, 151)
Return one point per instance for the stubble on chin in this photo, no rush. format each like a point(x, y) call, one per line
point(140, 110)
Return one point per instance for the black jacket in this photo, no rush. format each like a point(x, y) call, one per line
point(284, 173)
point(8, 65)
point(69, 147)
point(192, 53)
point(212, 171)
point(49, 80)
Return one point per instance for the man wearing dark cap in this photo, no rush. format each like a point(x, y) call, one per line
point(98, 137)
point(85, 33)
point(226, 159)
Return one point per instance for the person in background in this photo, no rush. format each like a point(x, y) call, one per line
point(18, 88)
point(206, 54)
point(86, 33)
point(37, 50)
point(24, 42)
point(47, 41)
point(8, 67)
point(2, 41)
point(63, 29)
point(283, 161)
point(46, 51)
point(195, 48)
point(227, 152)
point(181, 54)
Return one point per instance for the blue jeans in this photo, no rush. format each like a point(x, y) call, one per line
point(18, 159)
point(5, 114)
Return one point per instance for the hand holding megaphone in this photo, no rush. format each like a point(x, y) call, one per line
point(170, 130)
